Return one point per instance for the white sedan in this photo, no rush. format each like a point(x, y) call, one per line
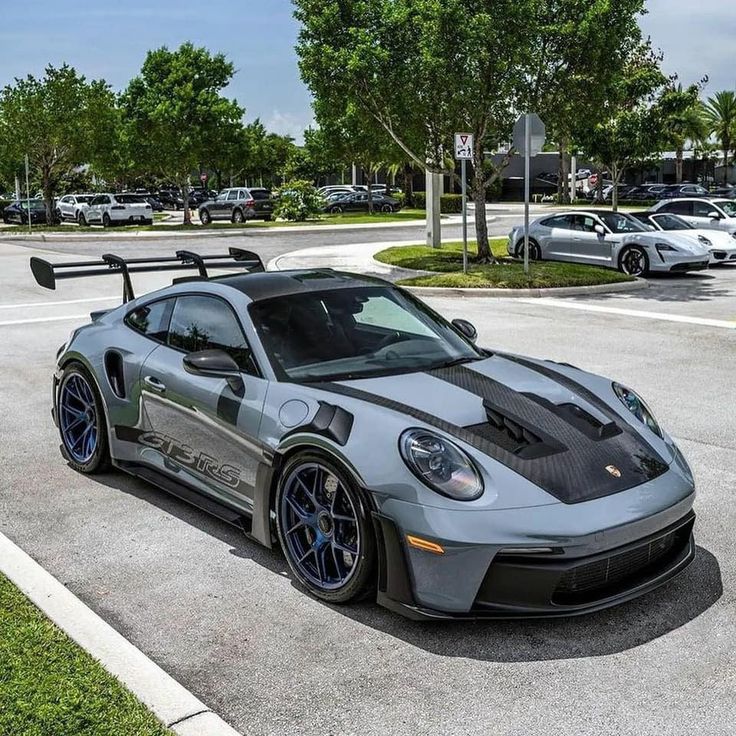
point(115, 209)
point(722, 245)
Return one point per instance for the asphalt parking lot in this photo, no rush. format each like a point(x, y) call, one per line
point(223, 617)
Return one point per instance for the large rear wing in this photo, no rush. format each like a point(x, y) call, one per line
point(47, 274)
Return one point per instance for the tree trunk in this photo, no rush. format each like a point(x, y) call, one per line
point(478, 193)
point(369, 174)
point(725, 165)
point(563, 185)
point(48, 195)
point(616, 178)
point(185, 196)
point(678, 165)
point(408, 185)
point(599, 187)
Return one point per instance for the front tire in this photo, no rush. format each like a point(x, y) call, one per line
point(324, 527)
point(633, 261)
point(82, 220)
point(204, 217)
point(106, 221)
point(82, 424)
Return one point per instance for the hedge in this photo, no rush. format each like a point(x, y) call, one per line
point(449, 203)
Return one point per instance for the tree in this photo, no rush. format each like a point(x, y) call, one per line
point(423, 69)
point(583, 45)
point(177, 110)
point(59, 121)
point(632, 125)
point(687, 123)
point(720, 115)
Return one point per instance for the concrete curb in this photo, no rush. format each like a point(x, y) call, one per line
point(170, 701)
point(538, 293)
point(201, 232)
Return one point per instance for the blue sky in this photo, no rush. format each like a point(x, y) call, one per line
point(110, 41)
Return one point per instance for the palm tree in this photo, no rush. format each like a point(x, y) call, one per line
point(720, 115)
point(687, 125)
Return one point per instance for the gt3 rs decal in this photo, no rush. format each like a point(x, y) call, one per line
point(182, 454)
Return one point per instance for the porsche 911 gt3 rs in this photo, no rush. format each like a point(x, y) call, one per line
point(341, 418)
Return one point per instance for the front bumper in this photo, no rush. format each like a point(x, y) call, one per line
point(537, 586)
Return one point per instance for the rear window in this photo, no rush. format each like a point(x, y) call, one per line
point(129, 199)
point(260, 194)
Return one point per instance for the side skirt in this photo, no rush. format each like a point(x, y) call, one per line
point(186, 493)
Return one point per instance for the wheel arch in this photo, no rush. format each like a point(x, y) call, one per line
point(267, 479)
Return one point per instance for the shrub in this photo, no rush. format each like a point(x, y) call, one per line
point(449, 203)
point(298, 201)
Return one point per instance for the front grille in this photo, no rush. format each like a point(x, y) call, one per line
point(608, 575)
point(719, 255)
point(682, 267)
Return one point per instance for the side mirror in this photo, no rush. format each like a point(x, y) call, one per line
point(214, 363)
point(599, 229)
point(714, 215)
point(465, 328)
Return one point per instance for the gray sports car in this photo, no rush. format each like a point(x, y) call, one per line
point(340, 417)
point(610, 239)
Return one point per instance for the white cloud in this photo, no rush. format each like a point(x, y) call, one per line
point(288, 123)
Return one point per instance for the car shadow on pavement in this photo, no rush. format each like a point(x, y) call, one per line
point(673, 288)
point(602, 633)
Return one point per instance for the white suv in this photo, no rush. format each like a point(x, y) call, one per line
point(112, 209)
point(70, 205)
point(715, 214)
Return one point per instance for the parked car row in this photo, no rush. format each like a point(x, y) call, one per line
point(673, 237)
point(649, 192)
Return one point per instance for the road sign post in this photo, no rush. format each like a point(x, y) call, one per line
point(464, 152)
point(28, 198)
point(529, 137)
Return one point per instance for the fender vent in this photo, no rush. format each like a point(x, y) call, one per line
point(114, 373)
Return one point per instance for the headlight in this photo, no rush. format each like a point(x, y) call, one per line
point(635, 404)
point(440, 464)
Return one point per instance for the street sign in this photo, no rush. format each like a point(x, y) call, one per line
point(538, 134)
point(463, 146)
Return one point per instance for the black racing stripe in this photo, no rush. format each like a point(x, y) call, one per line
point(579, 472)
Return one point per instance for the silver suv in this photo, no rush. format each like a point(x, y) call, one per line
point(236, 205)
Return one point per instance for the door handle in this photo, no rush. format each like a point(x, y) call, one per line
point(154, 384)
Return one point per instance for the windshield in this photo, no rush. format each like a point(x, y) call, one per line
point(672, 222)
point(620, 223)
point(353, 333)
point(36, 204)
point(728, 206)
point(84, 198)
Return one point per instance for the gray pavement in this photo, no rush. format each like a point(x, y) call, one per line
point(222, 615)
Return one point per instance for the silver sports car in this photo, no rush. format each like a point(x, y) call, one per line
point(720, 244)
point(341, 418)
point(610, 239)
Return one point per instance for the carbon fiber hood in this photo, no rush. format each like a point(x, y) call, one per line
point(528, 416)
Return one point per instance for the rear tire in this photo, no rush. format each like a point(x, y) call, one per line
point(237, 217)
point(387, 208)
point(336, 210)
point(82, 424)
point(324, 527)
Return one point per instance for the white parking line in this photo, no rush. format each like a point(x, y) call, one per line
point(29, 305)
point(8, 323)
point(560, 304)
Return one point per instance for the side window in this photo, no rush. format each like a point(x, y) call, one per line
point(152, 319)
point(242, 194)
point(703, 209)
point(676, 208)
point(232, 195)
point(208, 323)
point(560, 221)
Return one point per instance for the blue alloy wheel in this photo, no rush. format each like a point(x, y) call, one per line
point(78, 418)
point(320, 526)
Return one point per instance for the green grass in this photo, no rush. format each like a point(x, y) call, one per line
point(508, 274)
point(51, 687)
point(344, 219)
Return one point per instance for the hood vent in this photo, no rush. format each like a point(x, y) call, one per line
point(510, 433)
point(577, 417)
